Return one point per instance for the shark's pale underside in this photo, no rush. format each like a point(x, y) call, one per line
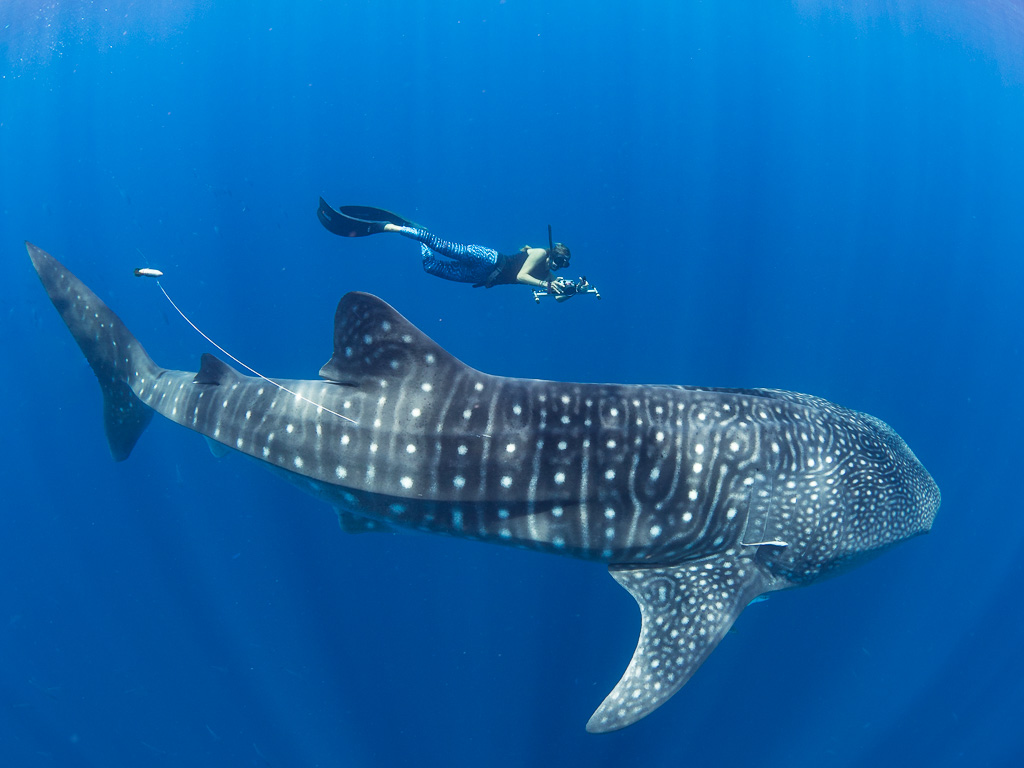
point(698, 499)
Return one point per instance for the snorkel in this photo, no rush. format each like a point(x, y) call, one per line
point(559, 259)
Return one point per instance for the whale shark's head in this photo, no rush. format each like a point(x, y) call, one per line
point(888, 494)
point(851, 490)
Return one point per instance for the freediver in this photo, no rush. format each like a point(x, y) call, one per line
point(476, 264)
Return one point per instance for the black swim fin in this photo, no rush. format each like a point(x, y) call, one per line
point(357, 220)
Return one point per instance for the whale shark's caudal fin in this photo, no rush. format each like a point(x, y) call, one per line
point(116, 357)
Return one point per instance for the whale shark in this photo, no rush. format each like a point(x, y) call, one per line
point(699, 500)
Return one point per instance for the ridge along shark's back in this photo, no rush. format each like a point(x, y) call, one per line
point(698, 499)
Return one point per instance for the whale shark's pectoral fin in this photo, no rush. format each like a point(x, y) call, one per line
point(685, 610)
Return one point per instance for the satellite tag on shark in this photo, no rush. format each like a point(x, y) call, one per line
point(699, 500)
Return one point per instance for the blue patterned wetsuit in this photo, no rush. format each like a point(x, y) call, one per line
point(463, 263)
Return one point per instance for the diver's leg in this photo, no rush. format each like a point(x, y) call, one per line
point(452, 250)
point(471, 263)
point(444, 268)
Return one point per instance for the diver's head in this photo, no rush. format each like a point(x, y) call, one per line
point(558, 256)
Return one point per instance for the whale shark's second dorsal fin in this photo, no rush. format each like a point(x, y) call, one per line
point(374, 342)
point(213, 370)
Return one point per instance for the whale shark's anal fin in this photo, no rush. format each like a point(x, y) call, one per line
point(114, 354)
point(219, 450)
point(685, 611)
point(353, 523)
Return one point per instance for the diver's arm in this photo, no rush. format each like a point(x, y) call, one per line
point(535, 262)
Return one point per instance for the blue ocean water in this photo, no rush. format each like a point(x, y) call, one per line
point(817, 196)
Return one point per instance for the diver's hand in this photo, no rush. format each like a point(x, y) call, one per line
point(566, 290)
point(567, 287)
point(561, 287)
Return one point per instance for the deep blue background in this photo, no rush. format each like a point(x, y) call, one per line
point(795, 195)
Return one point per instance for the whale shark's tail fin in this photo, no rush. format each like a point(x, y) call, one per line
point(115, 355)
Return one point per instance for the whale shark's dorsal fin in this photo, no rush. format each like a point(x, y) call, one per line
point(685, 610)
point(374, 342)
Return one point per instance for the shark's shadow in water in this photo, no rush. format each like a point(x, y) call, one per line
point(698, 499)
